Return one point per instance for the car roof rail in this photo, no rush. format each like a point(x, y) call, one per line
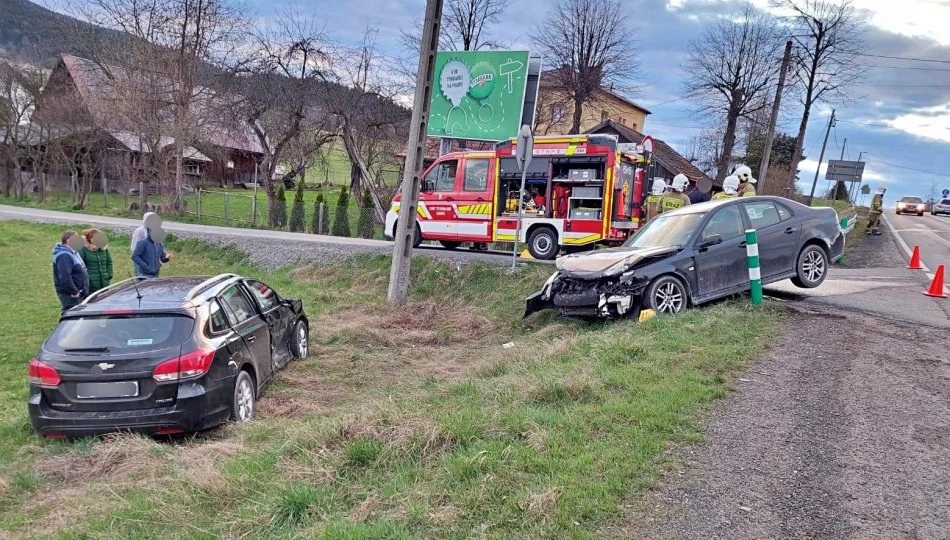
point(206, 284)
point(114, 287)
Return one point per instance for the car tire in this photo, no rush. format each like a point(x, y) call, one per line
point(666, 295)
point(244, 398)
point(300, 340)
point(920, 214)
point(416, 237)
point(811, 268)
point(542, 243)
point(449, 244)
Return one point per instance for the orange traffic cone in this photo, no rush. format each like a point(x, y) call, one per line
point(936, 288)
point(915, 260)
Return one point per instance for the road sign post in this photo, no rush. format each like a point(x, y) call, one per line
point(523, 152)
point(755, 274)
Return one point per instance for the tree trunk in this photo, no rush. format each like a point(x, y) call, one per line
point(364, 179)
point(578, 114)
point(728, 144)
point(7, 181)
point(355, 182)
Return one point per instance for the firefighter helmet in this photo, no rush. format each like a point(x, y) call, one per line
point(680, 182)
point(745, 174)
point(880, 190)
point(659, 186)
point(731, 185)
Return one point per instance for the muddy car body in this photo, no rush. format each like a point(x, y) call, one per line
point(694, 255)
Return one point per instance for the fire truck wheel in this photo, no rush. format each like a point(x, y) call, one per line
point(542, 243)
point(448, 244)
point(416, 237)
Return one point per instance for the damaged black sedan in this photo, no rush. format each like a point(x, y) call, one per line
point(694, 255)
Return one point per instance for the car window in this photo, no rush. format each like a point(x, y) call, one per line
point(727, 223)
point(783, 211)
point(121, 333)
point(237, 305)
point(912, 200)
point(762, 214)
point(664, 231)
point(476, 175)
point(266, 296)
point(945, 201)
point(442, 176)
point(218, 320)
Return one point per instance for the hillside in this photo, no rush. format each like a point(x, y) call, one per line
point(31, 32)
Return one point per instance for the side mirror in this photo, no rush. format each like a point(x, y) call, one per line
point(711, 240)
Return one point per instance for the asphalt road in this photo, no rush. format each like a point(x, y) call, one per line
point(931, 233)
point(268, 248)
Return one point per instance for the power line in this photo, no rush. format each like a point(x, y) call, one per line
point(904, 86)
point(675, 100)
point(907, 168)
point(904, 58)
point(882, 126)
point(908, 68)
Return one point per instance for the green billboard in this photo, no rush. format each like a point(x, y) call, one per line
point(478, 95)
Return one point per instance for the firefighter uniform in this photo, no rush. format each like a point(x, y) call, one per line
point(874, 213)
point(747, 189)
point(652, 206)
point(673, 200)
point(722, 195)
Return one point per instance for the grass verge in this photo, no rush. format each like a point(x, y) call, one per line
point(401, 423)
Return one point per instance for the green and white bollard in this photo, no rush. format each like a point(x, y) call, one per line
point(755, 276)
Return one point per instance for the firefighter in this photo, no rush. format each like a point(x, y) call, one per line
point(747, 185)
point(730, 187)
point(675, 198)
point(652, 204)
point(874, 213)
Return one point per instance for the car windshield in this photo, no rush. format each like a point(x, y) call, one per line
point(945, 201)
point(662, 231)
point(912, 200)
point(120, 333)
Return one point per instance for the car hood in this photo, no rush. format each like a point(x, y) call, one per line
point(608, 262)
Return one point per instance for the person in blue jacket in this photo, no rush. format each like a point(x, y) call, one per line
point(149, 255)
point(70, 278)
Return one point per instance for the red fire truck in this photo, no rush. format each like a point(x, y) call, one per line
point(580, 191)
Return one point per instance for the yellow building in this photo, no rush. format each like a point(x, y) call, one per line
point(555, 110)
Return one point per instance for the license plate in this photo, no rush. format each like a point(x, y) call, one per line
point(107, 390)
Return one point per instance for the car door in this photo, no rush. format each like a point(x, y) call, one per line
point(473, 205)
point(250, 325)
point(438, 220)
point(722, 267)
point(279, 319)
point(777, 239)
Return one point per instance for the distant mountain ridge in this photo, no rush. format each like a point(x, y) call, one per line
point(31, 32)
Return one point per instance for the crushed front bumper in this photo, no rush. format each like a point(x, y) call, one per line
point(590, 299)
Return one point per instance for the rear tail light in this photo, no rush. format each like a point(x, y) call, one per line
point(169, 431)
point(186, 366)
point(55, 435)
point(43, 374)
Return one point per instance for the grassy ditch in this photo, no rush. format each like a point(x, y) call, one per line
point(401, 423)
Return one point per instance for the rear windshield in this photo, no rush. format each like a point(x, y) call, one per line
point(945, 201)
point(912, 200)
point(120, 333)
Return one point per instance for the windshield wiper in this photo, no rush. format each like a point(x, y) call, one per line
point(88, 349)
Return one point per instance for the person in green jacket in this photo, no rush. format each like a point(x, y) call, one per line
point(95, 253)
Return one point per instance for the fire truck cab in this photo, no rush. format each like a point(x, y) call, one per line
point(580, 191)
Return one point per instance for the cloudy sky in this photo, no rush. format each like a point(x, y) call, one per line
point(899, 115)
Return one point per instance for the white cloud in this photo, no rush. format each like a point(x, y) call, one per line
point(930, 122)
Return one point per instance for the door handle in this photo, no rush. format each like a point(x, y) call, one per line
point(742, 245)
point(449, 199)
point(790, 230)
point(479, 200)
point(251, 339)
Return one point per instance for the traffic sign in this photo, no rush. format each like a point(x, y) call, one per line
point(524, 148)
point(844, 171)
point(945, 192)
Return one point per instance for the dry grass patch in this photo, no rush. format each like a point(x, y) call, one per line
point(541, 506)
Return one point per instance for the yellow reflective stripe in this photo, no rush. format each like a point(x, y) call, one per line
point(504, 237)
point(570, 150)
point(583, 240)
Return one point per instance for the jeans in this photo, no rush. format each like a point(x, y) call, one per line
point(139, 272)
point(68, 301)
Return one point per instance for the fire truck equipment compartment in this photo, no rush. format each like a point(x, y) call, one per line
point(586, 175)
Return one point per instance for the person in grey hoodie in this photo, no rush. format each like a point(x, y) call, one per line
point(149, 255)
point(140, 233)
point(70, 278)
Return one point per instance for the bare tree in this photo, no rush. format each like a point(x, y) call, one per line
point(591, 45)
point(20, 87)
point(705, 150)
point(825, 62)
point(368, 118)
point(732, 67)
point(177, 52)
point(283, 100)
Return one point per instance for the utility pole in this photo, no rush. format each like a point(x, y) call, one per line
point(821, 157)
point(415, 153)
point(776, 105)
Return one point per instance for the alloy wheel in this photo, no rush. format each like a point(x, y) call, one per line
point(668, 298)
point(302, 340)
point(813, 266)
point(245, 401)
point(542, 244)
